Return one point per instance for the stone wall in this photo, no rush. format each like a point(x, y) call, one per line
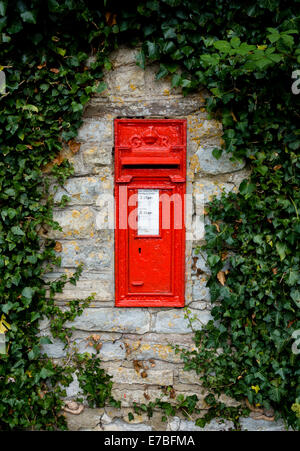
point(134, 334)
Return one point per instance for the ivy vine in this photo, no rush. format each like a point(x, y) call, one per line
point(245, 55)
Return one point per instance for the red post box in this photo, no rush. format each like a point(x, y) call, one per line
point(150, 182)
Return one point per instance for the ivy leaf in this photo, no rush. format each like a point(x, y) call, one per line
point(45, 341)
point(170, 33)
point(217, 153)
point(235, 42)
point(246, 188)
point(213, 260)
point(152, 50)
point(223, 46)
point(34, 316)
point(16, 230)
point(102, 86)
point(187, 50)
point(262, 169)
point(281, 249)
point(169, 47)
point(295, 295)
point(293, 278)
point(148, 29)
point(61, 51)
point(32, 108)
point(176, 80)
point(33, 354)
point(76, 107)
point(163, 71)
point(28, 292)
point(27, 16)
point(140, 59)
point(3, 6)
point(45, 373)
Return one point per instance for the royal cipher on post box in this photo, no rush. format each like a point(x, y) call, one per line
point(150, 183)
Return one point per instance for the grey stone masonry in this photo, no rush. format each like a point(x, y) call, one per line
point(130, 335)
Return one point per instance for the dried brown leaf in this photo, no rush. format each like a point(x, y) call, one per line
point(216, 226)
point(172, 393)
point(58, 246)
point(233, 116)
point(74, 146)
point(138, 365)
point(221, 277)
point(110, 19)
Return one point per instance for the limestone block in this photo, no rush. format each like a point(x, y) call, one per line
point(174, 321)
point(138, 418)
point(210, 188)
point(200, 290)
point(169, 106)
point(125, 82)
point(44, 324)
point(214, 425)
point(112, 351)
point(73, 389)
point(75, 160)
point(105, 419)
point(188, 377)
point(203, 132)
point(173, 424)
point(96, 130)
point(55, 349)
point(98, 284)
point(196, 231)
point(228, 401)
point(108, 352)
point(124, 56)
point(123, 375)
point(119, 425)
point(78, 335)
point(237, 177)
point(84, 190)
point(200, 262)
point(208, 164)
point(161, 87)
point(131, 320)
point(88, 419)
point(95, 254)
point(158, 351)
point(199, 305)
point(96, 154)
point(249, 424)
point(76, 223)
point(129, 396)
point(84, 346)
point(161, 338)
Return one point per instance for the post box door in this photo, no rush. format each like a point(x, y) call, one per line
point(150, 246)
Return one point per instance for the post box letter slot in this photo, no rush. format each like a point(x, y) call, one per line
point(151, 166)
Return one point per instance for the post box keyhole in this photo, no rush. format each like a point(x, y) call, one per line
point(140, 250)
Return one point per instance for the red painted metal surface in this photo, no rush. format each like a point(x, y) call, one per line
point(150, 182)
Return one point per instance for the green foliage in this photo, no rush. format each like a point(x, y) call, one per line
point(96, 385)
point(244, 53)
point(185, 405)
point(47, 86)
